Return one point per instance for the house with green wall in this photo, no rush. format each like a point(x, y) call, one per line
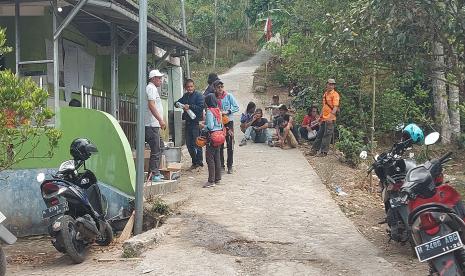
point(87, 50)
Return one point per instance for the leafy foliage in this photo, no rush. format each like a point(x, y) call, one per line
point(350, 144)
point(23, 118)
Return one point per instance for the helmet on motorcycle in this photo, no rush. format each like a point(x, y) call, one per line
point(414, 132)
point(81, 149)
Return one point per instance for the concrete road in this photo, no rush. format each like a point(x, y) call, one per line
point(272, 216)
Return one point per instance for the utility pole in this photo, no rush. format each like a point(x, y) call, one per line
point(214, 50)
point(17, 37)
point(140, 143)
point(184, 32)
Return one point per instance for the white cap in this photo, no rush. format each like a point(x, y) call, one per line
point(155, 73)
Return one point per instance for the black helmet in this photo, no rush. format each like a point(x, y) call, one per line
point(81, 149)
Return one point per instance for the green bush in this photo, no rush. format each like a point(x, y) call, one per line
point(350, 144)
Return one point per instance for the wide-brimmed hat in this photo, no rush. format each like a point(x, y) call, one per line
point(331, 81)
point(155, 73)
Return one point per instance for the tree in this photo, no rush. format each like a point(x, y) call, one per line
point(23, 118)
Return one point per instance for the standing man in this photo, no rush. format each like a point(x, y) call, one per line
point(153, 122)
point(228, 106)
point(327, 119)
point(192, 100)
point(212, 77)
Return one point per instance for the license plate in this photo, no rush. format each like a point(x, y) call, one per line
point(396, 202)
point(438, 247)
point(55, 210)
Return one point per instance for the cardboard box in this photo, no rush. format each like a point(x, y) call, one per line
point(174, 166)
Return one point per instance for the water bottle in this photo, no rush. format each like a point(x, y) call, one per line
point(189, 112)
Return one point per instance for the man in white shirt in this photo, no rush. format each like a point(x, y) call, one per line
point(153, 122)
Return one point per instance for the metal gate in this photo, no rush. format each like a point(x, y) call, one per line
point(127, 115)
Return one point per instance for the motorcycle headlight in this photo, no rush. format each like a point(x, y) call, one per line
point(40, 177)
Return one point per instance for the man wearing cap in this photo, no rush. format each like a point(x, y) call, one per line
point(228, 106)
point(194, 101)
point(153, 122)
point(327, 119)
point(212, 77)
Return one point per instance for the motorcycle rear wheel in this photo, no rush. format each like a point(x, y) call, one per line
point(76, 249)
point(107, 235)
point(2, 262)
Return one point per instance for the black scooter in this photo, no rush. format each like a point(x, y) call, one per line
point(75, 207)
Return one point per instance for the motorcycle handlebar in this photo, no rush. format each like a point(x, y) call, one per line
point(445, 157)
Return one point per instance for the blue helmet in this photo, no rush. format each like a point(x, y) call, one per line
point(414, 132)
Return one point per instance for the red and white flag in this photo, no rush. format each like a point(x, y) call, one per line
point(267, 29)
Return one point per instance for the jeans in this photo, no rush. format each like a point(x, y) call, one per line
point(153, 138)
point(212, 155)
point(229, 144)
point(260, 136)
point(192, 132)
point(323, 138)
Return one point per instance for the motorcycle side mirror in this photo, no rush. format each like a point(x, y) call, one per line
point(432, 138)
point(363, 155)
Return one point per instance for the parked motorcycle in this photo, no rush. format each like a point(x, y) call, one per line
point(75, 207)
point(5, 237)
point(391, 168)
point(436, 218)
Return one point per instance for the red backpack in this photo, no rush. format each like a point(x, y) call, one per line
point(218, 137)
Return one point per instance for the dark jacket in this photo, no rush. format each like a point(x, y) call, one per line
point(196, 104)
point(210, 89)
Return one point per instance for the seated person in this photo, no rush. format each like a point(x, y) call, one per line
point(257, 129)
point(310, 124)
point(246, 117)
point(291, 123)
point(284, 126)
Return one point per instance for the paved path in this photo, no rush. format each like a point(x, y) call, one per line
point(273, 216)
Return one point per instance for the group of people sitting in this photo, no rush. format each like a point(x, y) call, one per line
point(258, 129)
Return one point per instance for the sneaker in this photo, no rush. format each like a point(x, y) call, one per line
point(270, 143)
point(243, 142)
point(229, 170)
point(322, 154)
point(157, 178)
point(208, 185)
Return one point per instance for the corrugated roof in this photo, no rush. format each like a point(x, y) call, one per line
point(94, 18)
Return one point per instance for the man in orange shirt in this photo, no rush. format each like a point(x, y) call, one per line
point(327, 119)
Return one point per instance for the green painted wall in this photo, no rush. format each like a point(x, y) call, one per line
point(113, 164)
point(33, 32)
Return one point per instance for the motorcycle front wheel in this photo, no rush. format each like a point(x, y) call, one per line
point(2, 262)
point(76, 249)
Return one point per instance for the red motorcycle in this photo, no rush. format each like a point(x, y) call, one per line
point(436, 218)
